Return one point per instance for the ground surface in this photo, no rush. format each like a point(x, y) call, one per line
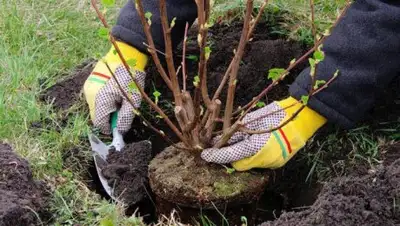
point(43, 41)
point(23, 200)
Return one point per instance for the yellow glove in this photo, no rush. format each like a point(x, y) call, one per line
point(268, 150)
point(103, 94)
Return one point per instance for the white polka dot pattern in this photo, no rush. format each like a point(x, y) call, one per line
point(110, 98)
point(243, 145)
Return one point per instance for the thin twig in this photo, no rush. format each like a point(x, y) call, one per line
point(147, 31)
point(257, 19)
point(184, 75)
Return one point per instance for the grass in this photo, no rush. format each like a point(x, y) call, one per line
point(43, 40)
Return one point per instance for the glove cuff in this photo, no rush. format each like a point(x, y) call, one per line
point(307, 121)
point(128, 52)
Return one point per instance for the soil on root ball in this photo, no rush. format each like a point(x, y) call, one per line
point(23, 201)
point(182, 181)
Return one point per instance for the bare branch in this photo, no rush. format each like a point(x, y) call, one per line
point(169, 53)
point(235, 67)
point(184, 75)
point(257, 19)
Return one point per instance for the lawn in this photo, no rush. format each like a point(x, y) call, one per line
point(42, 41)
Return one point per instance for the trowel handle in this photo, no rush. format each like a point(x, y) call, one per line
point(114, 120)
point(118, 139)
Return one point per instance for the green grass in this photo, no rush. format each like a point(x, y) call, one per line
point(42, 40)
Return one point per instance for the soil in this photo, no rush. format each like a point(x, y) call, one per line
point(65, 93)
point(127, 172)
point(371, 199)
point(182, 178)
point(23, 200)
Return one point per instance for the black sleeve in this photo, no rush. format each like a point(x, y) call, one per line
point(129, 28)
point(365, 48)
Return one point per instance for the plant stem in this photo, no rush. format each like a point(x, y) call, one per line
point(184, 72)
point(235, 67)
point(169, 53)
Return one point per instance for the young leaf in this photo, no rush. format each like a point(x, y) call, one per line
point(103, 32)
point(319, 83)
point(115, 52)
point(173, 22)
point(156, 95)
point(133, 87)
point(292, 61)
point(207, 51)
point(131, 62)
point(108, 3)
point(336, 73)
point(275, 73)
point(260, 104)
point(230, 170)
point(319, 55)
point(148, 16)
point(193, 57)
point(196, 81)
point(312, 66)
point(305, 99)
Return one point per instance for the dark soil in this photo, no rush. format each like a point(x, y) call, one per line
point(66, 93)
point(21, 197)
point(353, 200)
point(127, 172)
point(179, 177)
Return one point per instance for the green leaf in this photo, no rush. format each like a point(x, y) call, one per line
point(173, 22)
point(108, 3)
point(260, 104)
point(156, 95)
point(207, 51)
point(103, 32)
point(230, 170)
point(148, 16)
point(305, 99)
point(319, 83)
point(293, 61)
point(131, 62)
point(275, 73)
point(193, 57)
point(312, 66)
point(319, 55)
point(115, 52)
point(133, 87)
point(196, 81)
point(106, 222)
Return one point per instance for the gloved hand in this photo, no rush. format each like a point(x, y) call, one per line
point(268, 150)
point(103, 94)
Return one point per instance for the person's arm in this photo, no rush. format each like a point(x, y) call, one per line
point(365, 48)
point(129, 28)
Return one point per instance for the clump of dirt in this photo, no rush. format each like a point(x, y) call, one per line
point(65, 93)
point(126, 172)
point(184, 179)
point(353, 200)
point(23, 201)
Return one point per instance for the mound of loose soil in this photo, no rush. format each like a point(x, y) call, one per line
point(66, 93)
point(179, 176)
point(21, 197)
point(127, 172)
point(367, 200)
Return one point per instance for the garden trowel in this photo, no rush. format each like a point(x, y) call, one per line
point(101, 150)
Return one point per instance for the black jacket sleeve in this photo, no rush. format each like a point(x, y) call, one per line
point(129, 28)
point(365, 48)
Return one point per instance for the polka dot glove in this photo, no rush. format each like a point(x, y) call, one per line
point(268, 150)
point(105, 97)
